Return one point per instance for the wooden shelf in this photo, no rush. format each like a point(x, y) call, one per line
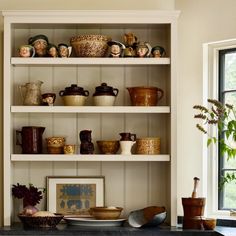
point(94, 157)
point(90, 109)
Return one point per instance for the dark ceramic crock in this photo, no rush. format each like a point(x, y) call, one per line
point(74, 90)
point(103, 89)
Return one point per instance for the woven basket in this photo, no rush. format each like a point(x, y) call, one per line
point(90, 45)
point(148, 145)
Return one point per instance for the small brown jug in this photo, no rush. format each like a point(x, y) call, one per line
point(31, 139)
point(127, 137)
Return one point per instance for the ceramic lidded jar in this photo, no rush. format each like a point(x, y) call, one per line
point(105, 95)
point(74, 95)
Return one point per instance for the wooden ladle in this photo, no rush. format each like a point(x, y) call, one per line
point(196, 183)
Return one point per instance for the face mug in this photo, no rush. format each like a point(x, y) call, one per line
point(69, 149)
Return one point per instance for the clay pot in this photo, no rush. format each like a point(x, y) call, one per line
point(145, 96)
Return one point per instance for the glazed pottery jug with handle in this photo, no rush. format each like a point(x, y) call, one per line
point(30, 139)
point(31, 93)
point(145, 96)
point(126, 147)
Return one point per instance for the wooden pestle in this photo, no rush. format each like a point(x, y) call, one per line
point(196, 182)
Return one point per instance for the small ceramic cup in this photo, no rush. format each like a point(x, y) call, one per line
point(48, 99)
point(26, 51)
point(69, 149)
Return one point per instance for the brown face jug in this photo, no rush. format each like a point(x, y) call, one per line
point(30, 139)
point(145, 96)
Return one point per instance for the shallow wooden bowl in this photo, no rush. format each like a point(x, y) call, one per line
point(106, 213)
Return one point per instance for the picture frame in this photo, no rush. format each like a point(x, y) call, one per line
point(73, 196)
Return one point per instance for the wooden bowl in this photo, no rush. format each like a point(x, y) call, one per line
point(108, 146)
point(105, 213)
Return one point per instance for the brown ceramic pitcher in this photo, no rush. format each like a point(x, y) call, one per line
point(30, 139)
point(145, 96)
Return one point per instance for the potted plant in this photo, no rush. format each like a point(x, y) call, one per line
point(31, 197)
point(223, 117)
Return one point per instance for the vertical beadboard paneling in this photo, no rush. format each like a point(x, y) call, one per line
point(136, 185)
point(114, 183)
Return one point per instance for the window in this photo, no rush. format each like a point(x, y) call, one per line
point(227, 94)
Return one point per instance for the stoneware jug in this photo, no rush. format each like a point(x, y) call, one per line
point(31, 93)
point(30, 139)
point(126, 147)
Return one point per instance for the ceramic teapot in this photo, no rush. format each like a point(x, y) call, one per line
point(32, 93)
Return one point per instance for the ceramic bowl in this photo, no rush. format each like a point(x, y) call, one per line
point(74, 100)
point(209, 223)
point(106, 213)
point(90, 45)
point(108, 146)
point(149, 216)
point(104, 100)
point(40, 221)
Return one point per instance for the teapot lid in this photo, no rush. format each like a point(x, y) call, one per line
point(104, 88)
point(74, 90)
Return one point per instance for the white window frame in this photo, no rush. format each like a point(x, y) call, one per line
point(210, 90)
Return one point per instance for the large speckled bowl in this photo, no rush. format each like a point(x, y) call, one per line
point(90, 45)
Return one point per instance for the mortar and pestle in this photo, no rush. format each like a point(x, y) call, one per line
point(193, 209)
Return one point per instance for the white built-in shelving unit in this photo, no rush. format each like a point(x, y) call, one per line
point(150, 177)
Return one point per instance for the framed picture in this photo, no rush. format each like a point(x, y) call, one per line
point(73, 196)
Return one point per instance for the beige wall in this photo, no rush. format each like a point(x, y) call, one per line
point(200, 22)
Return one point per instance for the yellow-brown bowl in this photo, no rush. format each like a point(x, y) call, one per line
point(108, 146)
point(106, 213)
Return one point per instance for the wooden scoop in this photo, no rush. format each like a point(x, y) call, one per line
point(196, 183)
